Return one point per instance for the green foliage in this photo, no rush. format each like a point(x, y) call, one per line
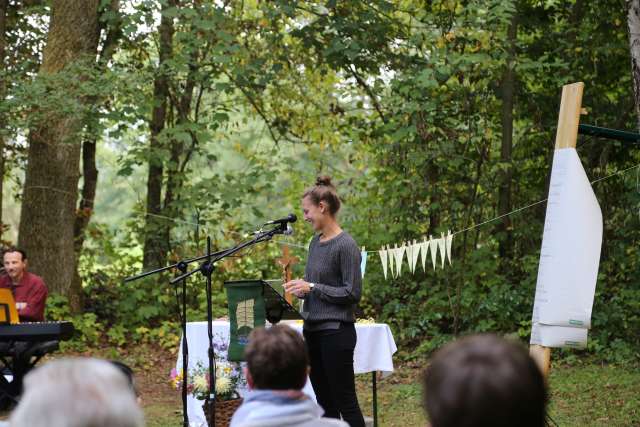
point(88, 330)
point(145, 311)
point(400, 102)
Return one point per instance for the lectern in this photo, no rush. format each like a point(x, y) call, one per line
point(251, 302)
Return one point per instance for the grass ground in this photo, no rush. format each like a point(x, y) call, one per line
point(585, 394)
point(581, 395)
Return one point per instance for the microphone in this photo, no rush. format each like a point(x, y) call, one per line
point(288, 219)
point(288, 231)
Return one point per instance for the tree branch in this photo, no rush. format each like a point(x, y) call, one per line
point(255, 106)
point(368, 91)
point(114, 32)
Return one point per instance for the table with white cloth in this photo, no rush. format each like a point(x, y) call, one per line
point(373, 353)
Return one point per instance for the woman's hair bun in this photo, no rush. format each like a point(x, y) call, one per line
point(324, 180)
point(324, 191)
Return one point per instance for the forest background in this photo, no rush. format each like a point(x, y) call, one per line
point(131, 130)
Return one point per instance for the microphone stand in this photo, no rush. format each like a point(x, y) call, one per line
point(207, 270)
point(182, 267)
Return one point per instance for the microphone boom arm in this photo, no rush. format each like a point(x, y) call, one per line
point(263, 236)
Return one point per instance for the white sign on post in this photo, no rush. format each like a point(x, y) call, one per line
point(569, 257)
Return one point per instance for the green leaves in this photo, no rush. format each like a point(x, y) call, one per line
point(400, 102)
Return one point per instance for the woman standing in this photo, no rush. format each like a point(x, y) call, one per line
point(330, 289)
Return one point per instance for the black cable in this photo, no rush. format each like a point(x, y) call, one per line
point(589, 140)
point(550, 421)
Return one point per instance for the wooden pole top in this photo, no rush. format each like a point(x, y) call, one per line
point(569, 116)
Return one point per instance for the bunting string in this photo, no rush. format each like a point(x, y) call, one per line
point(392, 258)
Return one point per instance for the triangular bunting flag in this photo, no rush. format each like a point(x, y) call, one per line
point(433, 247)
point(442, 246)
point(383, 259)
point(449, 242)
point(392, 260)
point(399, 256)
point(415, 254)
point(363, 262)
point(424, 248)
point(410, 257)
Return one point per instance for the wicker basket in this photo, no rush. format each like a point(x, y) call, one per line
point(224, 411)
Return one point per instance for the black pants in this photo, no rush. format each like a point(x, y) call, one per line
point(332, 378)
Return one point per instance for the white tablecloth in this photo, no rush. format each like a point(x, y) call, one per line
point(374, 350)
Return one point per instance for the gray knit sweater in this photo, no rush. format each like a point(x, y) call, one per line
point(334, 268)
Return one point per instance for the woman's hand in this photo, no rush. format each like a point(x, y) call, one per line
point(297, 287)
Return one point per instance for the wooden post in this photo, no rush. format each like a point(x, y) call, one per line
point(566, 137)
point(287, 262)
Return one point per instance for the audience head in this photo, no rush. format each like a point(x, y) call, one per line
point(276, 359)
point(77, 393)
point(484, 380)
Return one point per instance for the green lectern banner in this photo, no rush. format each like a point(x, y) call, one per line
point(246, 312)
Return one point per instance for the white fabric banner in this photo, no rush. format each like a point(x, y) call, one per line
point(569, 257)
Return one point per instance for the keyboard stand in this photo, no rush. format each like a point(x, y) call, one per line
point(20, 357)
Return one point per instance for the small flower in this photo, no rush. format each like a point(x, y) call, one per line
point(223, 385)
point(229, 379)
point(224, 369)
point(200, 384)
point(175, 378)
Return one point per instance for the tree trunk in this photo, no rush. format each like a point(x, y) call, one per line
point(634, 44)
point(155, 247)
point(89, 169)
point(51, 181)
point(179, 155)
point(507, 93)
point(3, 42)
point(83, 216)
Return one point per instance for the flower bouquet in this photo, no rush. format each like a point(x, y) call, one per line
point(228, 385)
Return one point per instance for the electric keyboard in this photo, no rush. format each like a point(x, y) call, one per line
point(37, 331)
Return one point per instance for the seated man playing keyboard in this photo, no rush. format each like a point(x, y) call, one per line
point(30, 294)
point(28, 289)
